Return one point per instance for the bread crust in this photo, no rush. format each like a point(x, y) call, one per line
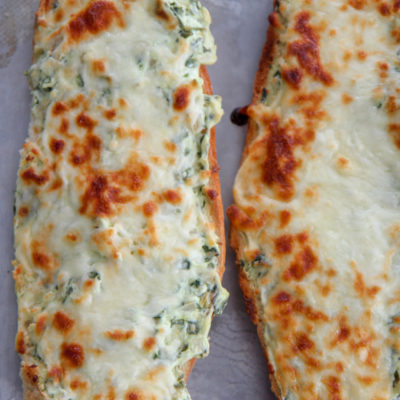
point(249, 294)
point(31, 386)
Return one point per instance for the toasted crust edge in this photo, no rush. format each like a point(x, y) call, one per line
point(31, 386)
point(217, 211)
point(267, 58)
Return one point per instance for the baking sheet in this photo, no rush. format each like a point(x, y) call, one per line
point(235, 368)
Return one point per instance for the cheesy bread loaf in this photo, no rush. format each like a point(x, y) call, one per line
point(316, 219)
point(119, 236)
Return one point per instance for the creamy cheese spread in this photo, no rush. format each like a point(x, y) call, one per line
point(116, 250)
point(317, 219)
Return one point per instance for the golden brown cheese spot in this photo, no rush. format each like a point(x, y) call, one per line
point(306, 50)
point(84, 121)
point(362, 55)
point(181, 98)
point(72, 355)
point(284, 244)
point(172, 197)
point(384, 9)
point(383, 69)
point(170, 146)
point(120, 335)
point(162, 14)
point(292, 76)
point(95, 18)
point(280, 164)
point(391, 105)
point(30, 176)
point(62, 322)
point(240, 220)
point(23, 211)
point(394, 130)
point(72, 236)
point(149, 343)
point(64, 126)
point(57, 146)
point(59, 108)
point(105, 191)
point(302, 343)
point(347, 99)
point(282, 297)
point(110, 114)
point(41, 257)
point(284, 218)
point(362, 289)
point(357, 4)
point(133, 395)
point(150, 208)
point(332, 383)
point(31, 373)
point(41, 324)
point(77, 384)
point(56, 373)
point(98, 67)
point(83, 152)
point(20, 343)
point(304, 263)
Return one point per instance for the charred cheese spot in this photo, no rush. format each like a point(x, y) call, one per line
point(62, 322)
point(72, 355)
point(57, 146)
point(30, 176)
point(20, 343)
point(149, 343)
point(292, 76)
point(307, 50)
point(94, 19)
point(181, 98)
point(120, 335)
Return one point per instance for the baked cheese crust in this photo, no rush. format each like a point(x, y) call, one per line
point(316, 220)
point(118, 226)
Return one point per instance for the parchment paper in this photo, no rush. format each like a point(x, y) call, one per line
point(235, 368)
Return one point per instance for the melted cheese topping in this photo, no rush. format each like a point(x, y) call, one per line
point(116, 252)
point(316, 221)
